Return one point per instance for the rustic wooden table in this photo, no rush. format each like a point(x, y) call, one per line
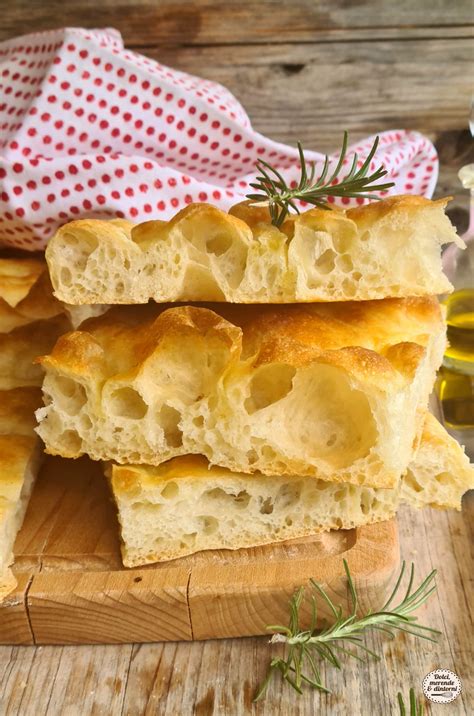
point(303, 70)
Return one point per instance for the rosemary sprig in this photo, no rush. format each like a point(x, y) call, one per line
point(280, 198)
point(415, 709)
point(345, 636)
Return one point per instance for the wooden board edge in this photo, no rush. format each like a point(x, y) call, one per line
point(182, 603)
point(15, 625)
point(224, 604)
point(118, 607)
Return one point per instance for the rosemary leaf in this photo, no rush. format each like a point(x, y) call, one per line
point(415, 709)
point(273, 191)
point(299, 667)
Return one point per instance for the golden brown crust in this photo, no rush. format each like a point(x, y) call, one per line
point(19, 462)
point(15, 452)
point(108, 230)
point(434, 434)
point(124, 338)
point(357, 337)
point(251, 213)
point(40, 303)
point(26, 293)
point(197, 208)
point(402, 202)
point(17, 276)
point(20, 347)
point(17, 410)
point(369, 324)
point(405, 357)
point(126, 476)
point(10, 318)
point(254, 214)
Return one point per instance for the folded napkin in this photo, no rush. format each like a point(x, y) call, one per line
point(88, 128)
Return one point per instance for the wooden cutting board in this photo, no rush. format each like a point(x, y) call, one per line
point(72, 588)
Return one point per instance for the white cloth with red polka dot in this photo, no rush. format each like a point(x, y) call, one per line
point(90, 129)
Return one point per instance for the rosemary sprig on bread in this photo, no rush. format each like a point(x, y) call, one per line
point(345, 637)
point(272, 189)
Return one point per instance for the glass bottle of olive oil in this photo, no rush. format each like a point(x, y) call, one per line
point(455, 383)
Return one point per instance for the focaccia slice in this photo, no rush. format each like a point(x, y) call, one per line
point(26, 296)
point(20, 458)
point(26, 293)
point(185, 506)
point(21, 346)
point(17, 278)
point(440, 472)
point(333, 391)
point(390, 248)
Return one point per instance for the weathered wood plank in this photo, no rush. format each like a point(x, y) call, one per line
point(218, 678)
point(363, 87)
point(76, 681)
point(173, 22)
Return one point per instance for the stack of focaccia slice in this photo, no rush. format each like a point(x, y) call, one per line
point(224, 425)
point(31, 320)
point(183, 505)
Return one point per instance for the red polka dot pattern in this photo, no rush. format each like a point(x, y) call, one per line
point(88, 128)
